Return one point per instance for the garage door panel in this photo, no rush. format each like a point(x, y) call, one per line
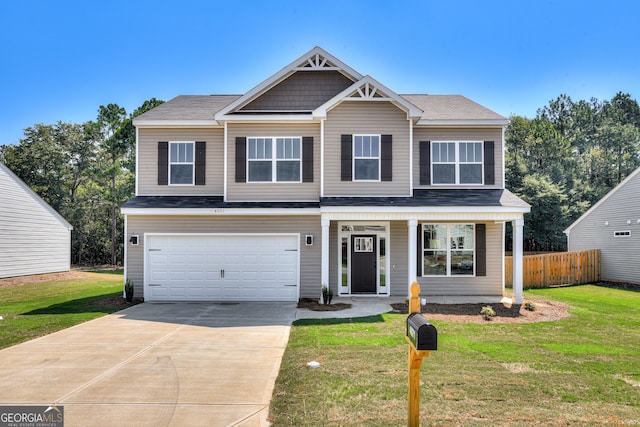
point(222, 267)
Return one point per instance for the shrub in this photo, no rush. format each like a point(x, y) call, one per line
point(529, 305)
point(128, 290)
point(487, 312)
point(327, 295)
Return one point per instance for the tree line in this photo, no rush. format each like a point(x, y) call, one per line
point(85, 172)
point(566, 159)
point(561, 162)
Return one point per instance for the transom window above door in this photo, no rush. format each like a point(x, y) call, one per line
point(181, 163)
point(366, 157)
point(274, 159)
point(457, 162)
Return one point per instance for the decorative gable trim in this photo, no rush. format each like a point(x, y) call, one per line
point(317, 59)
point(369, 89)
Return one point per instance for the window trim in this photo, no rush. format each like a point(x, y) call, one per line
point(448, 250)
point(354, 157)
point(274, 159)
point(192, 163)
point(457, 162)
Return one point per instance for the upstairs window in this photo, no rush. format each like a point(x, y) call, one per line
point(181, 163)
point(366, 157)
point(274, 159)
point(457, 162)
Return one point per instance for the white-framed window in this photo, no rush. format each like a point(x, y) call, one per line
point(181, 162)
point(448, 249)
point(457, 162)
point(623, 233)
point(366, 157)
point(274, 159)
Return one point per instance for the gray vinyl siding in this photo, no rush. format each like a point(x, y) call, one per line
point(619, 256)
point(309, 255)
point(147, 172)
point(491, 284)
point(33, 240)
point(273, 191)
point(350, 118)
point(399, 261)
point(302, 91)
point(447, 134)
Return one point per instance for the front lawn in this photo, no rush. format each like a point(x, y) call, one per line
point(35, 309)
point(583, 369)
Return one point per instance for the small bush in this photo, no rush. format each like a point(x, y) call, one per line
point(128, 290)
point(327, 295)
point(487, 312)
point(529, 305)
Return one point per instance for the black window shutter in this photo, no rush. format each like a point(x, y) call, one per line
point(481, 249)
point(420, 251)
point(201, 162)
point(489, 163)
point(346, 160)
point(425, 162)
point(163, 163)
point(386, 157)
point(241, 159)
point(307, 159)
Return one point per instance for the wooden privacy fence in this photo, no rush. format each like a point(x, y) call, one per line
point(562, 268)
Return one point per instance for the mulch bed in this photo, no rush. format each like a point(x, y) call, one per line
point(314, 305)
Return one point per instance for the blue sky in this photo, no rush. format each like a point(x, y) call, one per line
point(60, 60)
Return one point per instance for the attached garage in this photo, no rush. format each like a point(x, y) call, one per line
point(222, 267)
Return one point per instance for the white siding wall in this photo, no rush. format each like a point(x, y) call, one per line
point(309, 255)
point(147, 175)
point(381, 118)
point(32, 238)
point(445, 134)
point(619, 256)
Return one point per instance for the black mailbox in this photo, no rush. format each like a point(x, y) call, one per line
point(421, 333)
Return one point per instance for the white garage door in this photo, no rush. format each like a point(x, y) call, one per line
point(221, 267)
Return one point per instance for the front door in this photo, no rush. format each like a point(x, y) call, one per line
point(363, 264)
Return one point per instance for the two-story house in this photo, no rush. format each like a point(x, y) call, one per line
point(320, 176)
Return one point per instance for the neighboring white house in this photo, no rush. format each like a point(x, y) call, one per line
point(34, 238)
point(613, 226)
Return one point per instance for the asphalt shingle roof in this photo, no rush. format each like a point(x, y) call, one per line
point(451, 107)
point(421, 198)
point(435, 107)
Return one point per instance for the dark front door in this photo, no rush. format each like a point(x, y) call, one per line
point(363, 264)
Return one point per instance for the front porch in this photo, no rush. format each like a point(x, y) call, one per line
point(367, 257)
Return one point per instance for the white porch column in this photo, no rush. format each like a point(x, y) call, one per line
point(518, 226)
point(413, 249)
point(324, 275)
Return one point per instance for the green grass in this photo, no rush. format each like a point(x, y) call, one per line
point(36, 309)
point(583, 369)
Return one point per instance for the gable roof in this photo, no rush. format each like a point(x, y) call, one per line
point(630, 177)
point(317, 59)
point(18, 182)
point(279, 90)
point(369, 89)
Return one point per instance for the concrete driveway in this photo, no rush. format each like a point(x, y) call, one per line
point(195, 364)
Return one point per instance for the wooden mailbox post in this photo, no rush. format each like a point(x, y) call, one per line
point(422, 338)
